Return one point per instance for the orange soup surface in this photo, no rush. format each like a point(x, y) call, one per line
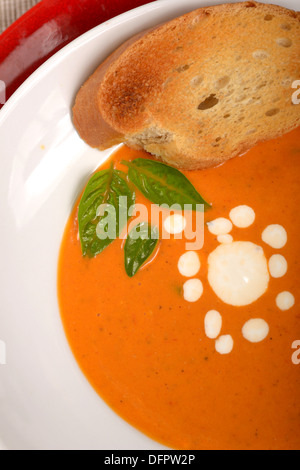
point(144, 348)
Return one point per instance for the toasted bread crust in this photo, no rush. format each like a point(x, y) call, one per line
point(202, 88)
point(87, 117)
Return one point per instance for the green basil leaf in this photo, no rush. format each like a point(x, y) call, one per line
point(104, 188)
point(163, 184)
point(140, 244)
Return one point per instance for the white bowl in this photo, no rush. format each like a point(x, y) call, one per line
point(45, 401)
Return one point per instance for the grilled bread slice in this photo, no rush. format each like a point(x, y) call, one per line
point(200, 89)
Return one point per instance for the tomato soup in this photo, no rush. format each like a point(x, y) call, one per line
point(143, 347)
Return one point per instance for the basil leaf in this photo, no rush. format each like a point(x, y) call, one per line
point(140, 244)
point(104, 188)
point(163, 184)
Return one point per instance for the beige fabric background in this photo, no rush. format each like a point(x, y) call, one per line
point(10, 10)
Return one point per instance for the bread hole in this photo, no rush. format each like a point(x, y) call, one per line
point(286, 27)
point(272, 112)
point(284, 42)
point(261, 85)
point(218, 139)
point(260, 54)
point(226, 116)
point(196, 81)
point(152, 135)
point(250, 5)
point(209, 103)
point(183, 68)
point(222, 82)
point(286, 82)
point(268, 17)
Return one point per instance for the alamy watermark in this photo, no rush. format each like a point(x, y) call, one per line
point(296, 94)
point(2, 353)
point(2, 92)
point(180, 223)
point(296, 344)
point(296, 354)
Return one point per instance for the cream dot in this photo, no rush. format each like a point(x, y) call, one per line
point(213, 324)
point(238, 273)
point(278, 266)
point(225, 239)
point(255, 330)
point(285, 301)
point(189, 264)
point(224, 345)
point(175, 224)
point(275, 236)
point(220, 226)
point(242, 216)
point(192, 290)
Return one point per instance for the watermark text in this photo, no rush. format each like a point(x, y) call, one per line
point(2, 353)
point(296, 354)
point(111, 218)
point(296, 95)
point(2, 92)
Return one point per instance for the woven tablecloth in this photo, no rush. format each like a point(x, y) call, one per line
point(11, 10)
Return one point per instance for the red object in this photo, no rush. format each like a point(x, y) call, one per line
point(46, 28)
